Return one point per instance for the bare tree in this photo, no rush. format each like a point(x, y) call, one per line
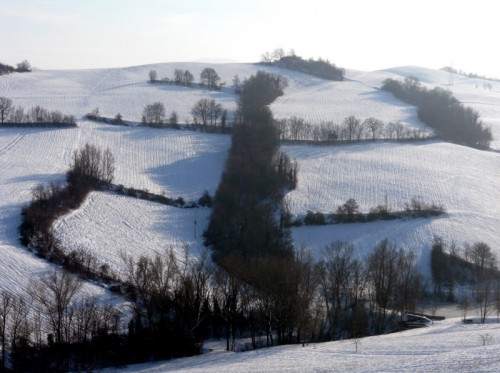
point(483, 257)
point(108, 166)
point(464, 304)
point(277, 54)
point(153, 76)
point(351, 124)
point(236, 84)
point(21, 327)
point(296, 126)
point(375, 126)
point(5, 108)
point(23, 66)
point(383, 269)
point(348, 212)
point(173, 120)
point(187, 78)
point(55, 293)
point(209, 77)
point(91, 165)
point(153, 114)
point(486, 339)
point(207, 111)
point(6, 306)
point(178, 76)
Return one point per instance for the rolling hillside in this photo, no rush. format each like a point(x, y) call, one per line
point(183, 163)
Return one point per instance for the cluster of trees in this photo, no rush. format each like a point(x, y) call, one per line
point(439, 109)
point(154, 115)
point(21, 67)
point(177, 302)
point(92, 168)
point(350, 212)
point(37, 115)
point(208, 112)
point(320, 68)
point(208, 78)
point(467, 275)
point(52, 327)
point(351, 129)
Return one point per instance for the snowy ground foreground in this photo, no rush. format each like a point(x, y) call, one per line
point(445, 346)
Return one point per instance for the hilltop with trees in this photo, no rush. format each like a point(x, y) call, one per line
point(321, 68)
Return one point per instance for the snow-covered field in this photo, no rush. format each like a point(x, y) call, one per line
point(462, 179)
point(177, 163)
point(138, 228)
point(445, 346)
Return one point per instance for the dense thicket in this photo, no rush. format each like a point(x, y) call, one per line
point(91, 168)
point(6, 69)
point(243, 220)
point(21, 67)
point(320, 68)
point(439, 109)
point(256, 93)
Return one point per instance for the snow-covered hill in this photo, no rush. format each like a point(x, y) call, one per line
point(182, 163)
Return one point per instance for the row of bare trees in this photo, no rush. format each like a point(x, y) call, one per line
point(36, 115)
point(351, 129)
point(277, 300)
point(52, 313)
point(208, 78)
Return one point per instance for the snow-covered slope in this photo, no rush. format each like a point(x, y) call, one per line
point(482, 95)
point(445, 346)
point(462, 179)
point(139, 228)
point(177, 163)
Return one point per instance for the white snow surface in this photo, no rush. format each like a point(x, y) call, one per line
point(138, 227)
point(445, 346)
